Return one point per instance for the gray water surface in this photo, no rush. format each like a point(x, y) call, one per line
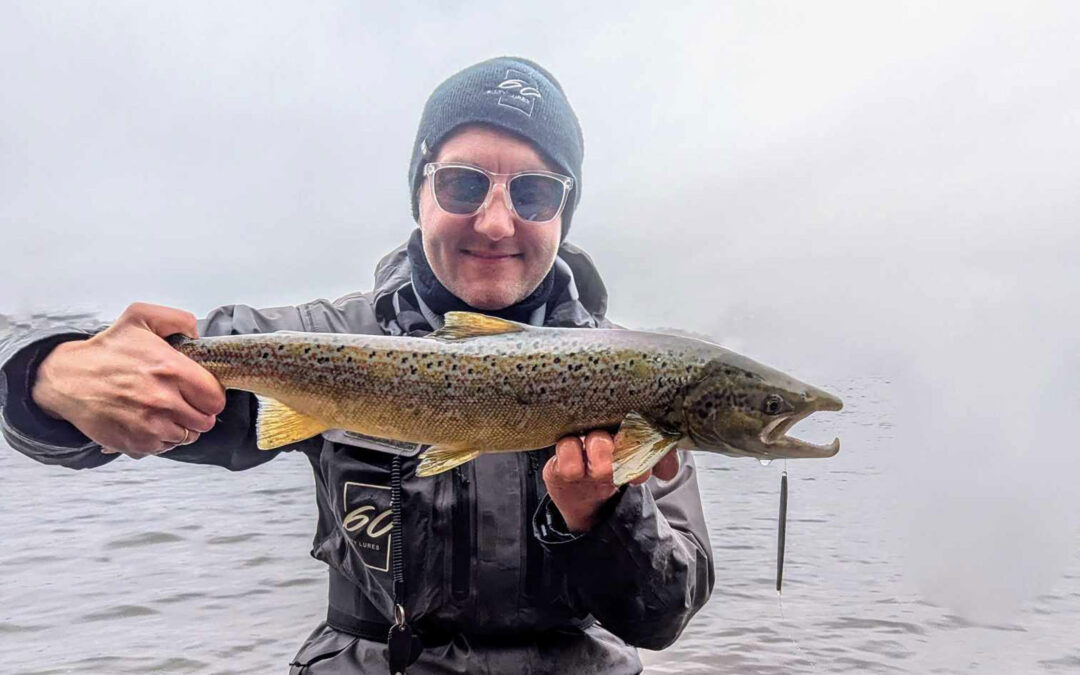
point(158, 566)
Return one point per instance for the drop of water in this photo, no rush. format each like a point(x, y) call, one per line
point(765, 462)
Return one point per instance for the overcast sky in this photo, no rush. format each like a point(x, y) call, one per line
point(834, 187)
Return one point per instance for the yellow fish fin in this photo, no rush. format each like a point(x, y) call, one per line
point(279, 425)
point(639, 445)
point(438, 459)
point(465, 325)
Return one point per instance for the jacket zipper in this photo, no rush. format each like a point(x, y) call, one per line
point(462, 546)
point(533, 553)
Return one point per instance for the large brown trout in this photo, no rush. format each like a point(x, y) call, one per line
point(482, 384)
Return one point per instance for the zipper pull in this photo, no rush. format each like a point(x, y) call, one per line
point(404, 647)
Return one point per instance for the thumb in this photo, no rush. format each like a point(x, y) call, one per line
point(162, 321)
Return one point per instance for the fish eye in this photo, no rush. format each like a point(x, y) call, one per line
point(773, 404)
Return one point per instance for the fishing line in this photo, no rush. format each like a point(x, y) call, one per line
point(781, 539)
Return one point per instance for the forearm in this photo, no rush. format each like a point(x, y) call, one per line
point(26, 427)
point(645, 568)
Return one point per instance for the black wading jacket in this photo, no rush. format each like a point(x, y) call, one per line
point(493, 582)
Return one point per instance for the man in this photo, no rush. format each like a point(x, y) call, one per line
point(499, 566)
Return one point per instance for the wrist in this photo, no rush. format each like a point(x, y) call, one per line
point(44, 391)
point(581, 518)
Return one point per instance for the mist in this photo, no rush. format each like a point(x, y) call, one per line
point(838, 189)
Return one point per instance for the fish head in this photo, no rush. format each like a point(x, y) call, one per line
point(742, 408)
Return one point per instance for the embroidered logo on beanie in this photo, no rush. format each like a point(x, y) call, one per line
point(517, 92)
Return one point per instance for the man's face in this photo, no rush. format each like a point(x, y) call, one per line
point(491, 259)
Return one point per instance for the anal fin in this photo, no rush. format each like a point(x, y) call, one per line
point(279, 425)
point(437, 459)
point(639, 445)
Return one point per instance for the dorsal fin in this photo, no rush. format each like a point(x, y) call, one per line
point(465, 325)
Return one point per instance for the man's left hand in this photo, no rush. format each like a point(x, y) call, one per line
point(579, 476)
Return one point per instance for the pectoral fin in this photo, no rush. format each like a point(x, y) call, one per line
point(279, 425)
point(639, 445)
point(437, 459)
point(465, 325)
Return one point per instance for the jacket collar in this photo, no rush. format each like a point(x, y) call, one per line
point(580, 299)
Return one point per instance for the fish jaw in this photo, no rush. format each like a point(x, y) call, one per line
point(776, 444)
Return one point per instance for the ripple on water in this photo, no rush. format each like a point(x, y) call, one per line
point(299, 581)
point(179, 597)
point(233, 538)
point(846, 623)
point(1070, 663)
point(7, 628)
point(144, 539)
point(123, 664)
point(237, 650)
point(119, 612)
point(278, 491)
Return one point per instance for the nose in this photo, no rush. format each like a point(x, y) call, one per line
point(495, 220)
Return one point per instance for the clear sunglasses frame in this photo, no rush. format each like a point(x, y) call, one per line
point(568, 184)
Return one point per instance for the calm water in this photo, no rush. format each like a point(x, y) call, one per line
point(156, 566)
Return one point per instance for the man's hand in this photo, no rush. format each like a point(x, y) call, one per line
point(128, 389)
point(579, 478)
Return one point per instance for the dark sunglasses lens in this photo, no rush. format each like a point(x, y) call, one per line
point(536, 198)
point(460, 190)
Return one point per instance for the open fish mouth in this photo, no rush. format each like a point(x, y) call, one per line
point(778, 444)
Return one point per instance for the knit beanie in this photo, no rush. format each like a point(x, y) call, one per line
point(514, 95)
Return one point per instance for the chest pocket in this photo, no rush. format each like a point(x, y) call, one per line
point(358, 491)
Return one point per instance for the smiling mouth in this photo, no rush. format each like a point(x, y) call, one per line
point(774, 437)
point(490, 255)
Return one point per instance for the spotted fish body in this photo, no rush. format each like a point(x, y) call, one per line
point(479, 385)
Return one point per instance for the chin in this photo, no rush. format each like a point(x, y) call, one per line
point(489, 299)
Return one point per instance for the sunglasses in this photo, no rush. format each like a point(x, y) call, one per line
point(463, 189)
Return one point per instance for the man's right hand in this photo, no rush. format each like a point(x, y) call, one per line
point(127, 388)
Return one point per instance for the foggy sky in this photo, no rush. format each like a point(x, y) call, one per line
point(832, 187)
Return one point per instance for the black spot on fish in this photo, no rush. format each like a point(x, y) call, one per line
point(280, 347)
point(470, 371)
point(341, 348)
point(348, 359)
point(266, 355)
point(412, 370)
point(558, 360)
point(543, 390)
point(520, 367)
point(307, 349)
point(453, 366)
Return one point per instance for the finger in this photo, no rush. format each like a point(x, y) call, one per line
point(641, 479)
point(163, 321)
point(569, 459)
point(176, 436)
point(200, 390)
point(599, 449)
point(668, 466)
point(187, 417)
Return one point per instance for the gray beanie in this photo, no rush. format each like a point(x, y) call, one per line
point(515, 95)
